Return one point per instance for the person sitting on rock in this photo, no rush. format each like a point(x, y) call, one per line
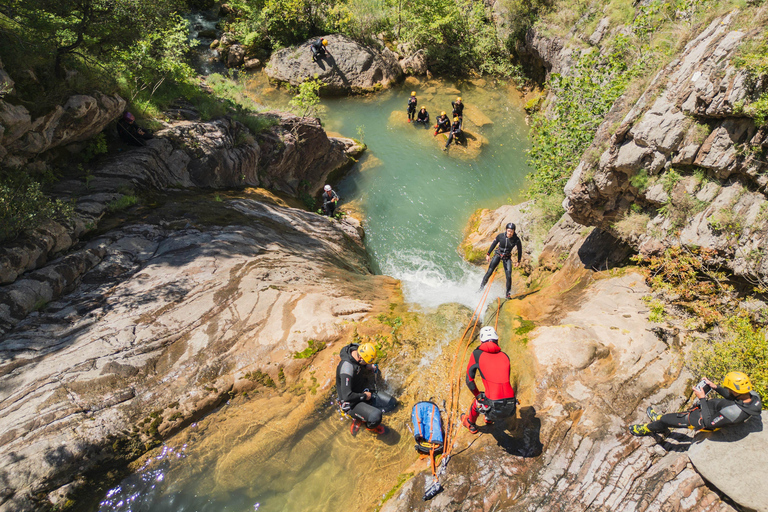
point(506, 242)
point(330, 198)
point(739, 403)
point(412, 101)
point(423, 117)
point(354, 399)
point(443, 123)
point(458, 108)
point(319, 50)
point(498, 400)
point(455, 134)
point(130, 132)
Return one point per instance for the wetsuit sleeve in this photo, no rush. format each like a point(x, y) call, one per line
point(723, 392)
point(345, 391)
point(472, 368)
point(493, 245)
point(519, 249)
point(335, 195)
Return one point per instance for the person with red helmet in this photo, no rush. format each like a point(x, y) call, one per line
point(498, 400)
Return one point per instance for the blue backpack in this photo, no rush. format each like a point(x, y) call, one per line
point(427, 428)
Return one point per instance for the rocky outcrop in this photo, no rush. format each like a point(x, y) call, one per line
point(546, 55)
point(415, 64)
point(201, 298)
point(351, 67)
point(685, 160)
point(80, 118)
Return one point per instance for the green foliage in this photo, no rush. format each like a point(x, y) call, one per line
point(24, 206)
point(754, 58)
point(313, 347)
point(260, 377)
point(669, 180)
point(656, 308)
point(96, 146)
point(742, 346)
point(122, 203)
point(307, 100)
point(640, 180)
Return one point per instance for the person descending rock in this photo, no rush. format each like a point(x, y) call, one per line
point(443, 123)
point(458, 108)
point(354, 399)
point(412, 101)
point(498, 400)
point(423, 117)
point(319, 50)
point(739, 403)
point(330, 198)
point(455, 133)
point(506, 242)
point(130, 132)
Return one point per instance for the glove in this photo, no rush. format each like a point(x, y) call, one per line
point(375, 368)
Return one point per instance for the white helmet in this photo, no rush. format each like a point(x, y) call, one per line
point(327, 188)
point(488, 334)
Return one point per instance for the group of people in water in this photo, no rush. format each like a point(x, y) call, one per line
point(443, 123)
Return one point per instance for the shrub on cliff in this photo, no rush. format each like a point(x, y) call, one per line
point(24, 206)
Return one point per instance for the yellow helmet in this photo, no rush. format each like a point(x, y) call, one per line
point(443, 113)
point(367, 352)
point(455, 119)
point(413, 93)
point(325, 42)
point(458, 99)
point(737, 382)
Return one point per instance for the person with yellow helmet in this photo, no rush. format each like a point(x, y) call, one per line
point(319, 50)
point(412, 101)
point(353, 376)
point(740, 402)
point(443, 123)
point(423, 117)
point(455, 134)
point(458, 108)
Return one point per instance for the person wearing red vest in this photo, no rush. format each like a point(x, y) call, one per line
point(498, 399)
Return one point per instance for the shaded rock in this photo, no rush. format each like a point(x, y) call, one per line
point(235, 56)
point(251, 64)
point(415, 64)
point(209, 33)
point(350, 68)
point(735, 460)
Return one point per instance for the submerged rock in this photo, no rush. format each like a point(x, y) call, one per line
point(351, 67)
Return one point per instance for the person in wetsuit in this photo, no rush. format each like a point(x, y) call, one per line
point(354, 399)
point(330, 198)
point(319, 50)
point(498, 400)
point(739, 403)
point(443, 123)
point(458, 108)
point(130, 132)
point(504, 243)
point(423, 117)
point(412, 101)
point(455, 133)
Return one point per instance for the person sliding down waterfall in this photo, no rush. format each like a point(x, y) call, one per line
point(412, 101)
point(498, 400)
point(423, 117)
point(506, 242)
point(364, 406)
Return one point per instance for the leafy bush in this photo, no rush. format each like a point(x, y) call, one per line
point(122, 203)
point(24, 206)
point(306, 101)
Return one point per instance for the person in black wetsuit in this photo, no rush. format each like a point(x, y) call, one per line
point(412, 101)
point(458, 108)
point(455, 133)
point(319, 50)
point(330, 198)
point(351, 380)
point(506, 242)
point(739, 403)
point(130, 132)
point(443, 123)
point(423, 117)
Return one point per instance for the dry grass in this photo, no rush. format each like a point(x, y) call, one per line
point(632, 225)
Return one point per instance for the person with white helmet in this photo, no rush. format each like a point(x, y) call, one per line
point(740, 402)
point(497, 401)
point(330, 198)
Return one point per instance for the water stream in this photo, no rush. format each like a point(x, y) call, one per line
point(416, 200)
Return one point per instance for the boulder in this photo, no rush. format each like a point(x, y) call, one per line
point(735, 460)
point(251, 64)
point(350, 67)
point(415, 64)
point(235, 56)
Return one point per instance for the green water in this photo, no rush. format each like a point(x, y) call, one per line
point(416, 200)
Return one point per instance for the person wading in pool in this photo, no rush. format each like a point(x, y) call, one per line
point(412, 101)
point(504, 243)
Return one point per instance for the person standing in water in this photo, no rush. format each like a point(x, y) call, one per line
point(412, 101)
point(503, 243)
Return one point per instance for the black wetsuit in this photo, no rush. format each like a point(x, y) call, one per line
point(329, 205)
point(711, 414)
point(443, 124)
point(423, 117)
point(412, 101)
point(350, 384)
point(130, 133)
point(318, 50)
point(455, 133)
point(503, 254)
point(458, 109)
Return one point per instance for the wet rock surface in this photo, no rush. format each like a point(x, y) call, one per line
point(351, 67)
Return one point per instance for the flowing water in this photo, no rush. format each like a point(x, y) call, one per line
point(416, 200)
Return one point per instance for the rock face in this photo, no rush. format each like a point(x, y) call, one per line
point(200, 298)
point(415, 64)
point(734, 460)
point(351, 67)
point(687, 160)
